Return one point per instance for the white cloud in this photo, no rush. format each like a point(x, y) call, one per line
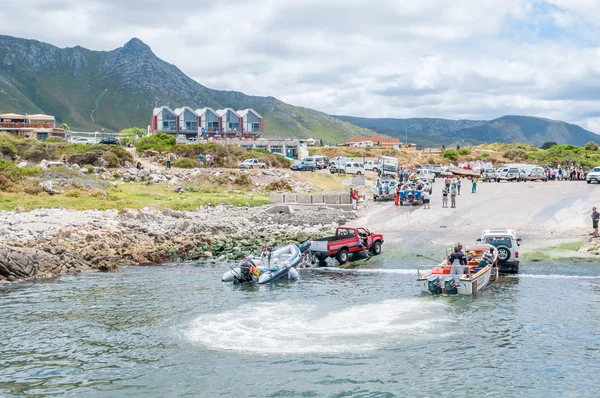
point(432, 58)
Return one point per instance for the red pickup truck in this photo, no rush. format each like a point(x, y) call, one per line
point(345, 241)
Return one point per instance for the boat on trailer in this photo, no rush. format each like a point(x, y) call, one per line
point(439, 281)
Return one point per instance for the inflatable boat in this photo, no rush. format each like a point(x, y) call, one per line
point(266, 268)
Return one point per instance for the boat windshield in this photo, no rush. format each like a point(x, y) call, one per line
point(498, 241)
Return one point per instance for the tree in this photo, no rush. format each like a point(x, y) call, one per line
point(65, 127)
point(591, 146)
point(131, 135)
point(548, 145)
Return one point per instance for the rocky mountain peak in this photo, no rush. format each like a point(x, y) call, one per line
point(137, 46)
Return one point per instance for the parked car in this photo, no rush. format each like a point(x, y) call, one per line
point(252, 164)
point(511, 174)
point(338, 166)
point(593, 175)
point(347, 240)
point(488, 175)
point(372, 165)
point(83, 140)
point(303, 166)
point(354, 168)
point(191, 140)
point(426, 175)
point(321, 162)
point(537, 173)
point(110, 141)
point(507, 243)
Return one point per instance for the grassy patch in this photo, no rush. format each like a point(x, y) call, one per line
point(134, 196)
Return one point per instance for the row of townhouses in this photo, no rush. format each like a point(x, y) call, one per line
point(207, 122)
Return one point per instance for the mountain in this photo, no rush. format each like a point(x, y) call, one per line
point(525, 129)
point(116, 89)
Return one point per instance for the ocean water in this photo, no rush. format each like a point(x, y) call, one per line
point(176, 330)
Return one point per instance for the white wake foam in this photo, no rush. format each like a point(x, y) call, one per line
point(553, 276)
point(291, 328)
point(368, 270)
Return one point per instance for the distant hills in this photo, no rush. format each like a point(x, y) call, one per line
point(434, 132)
point(117, 89)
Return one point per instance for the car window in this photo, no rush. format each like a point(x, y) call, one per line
point(596, 169)
point(362, 232)
point(498, 241)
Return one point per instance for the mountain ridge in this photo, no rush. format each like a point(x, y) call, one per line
point(116, 89)
point(507, 128)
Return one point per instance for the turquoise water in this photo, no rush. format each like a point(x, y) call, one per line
point(176, 331)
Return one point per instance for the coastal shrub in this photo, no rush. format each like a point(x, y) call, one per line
point(280, 186)
point(115, 155)
point(484, 155)
point(7, 149)
point(5, 183)
point(569, 155)
point(464, 151)
point(236, 153)
point(242, 180)
point(548, 145)
point(186, 163)
point(32, 189)
point(516, 154)
point(13, 173)
point(451, 154)
point(431, 161)
point(591, 146)
point(158, 142)
point(38, 151)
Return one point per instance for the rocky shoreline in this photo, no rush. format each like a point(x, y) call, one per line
point(49, 242)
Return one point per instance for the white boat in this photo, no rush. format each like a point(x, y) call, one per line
point(267, 268)
point(474, 279)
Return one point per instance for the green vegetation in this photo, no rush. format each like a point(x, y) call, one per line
point(133, 196)
point(130, 135)
point(186, 163)
point(451, 154)
point(591, 146)
point(157, 142)
point(548, 145)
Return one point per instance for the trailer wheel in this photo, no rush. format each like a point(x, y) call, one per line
point(376, 248)
point(342, 256)
point(322, 262)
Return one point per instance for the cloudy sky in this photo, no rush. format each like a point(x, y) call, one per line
point(477, 59)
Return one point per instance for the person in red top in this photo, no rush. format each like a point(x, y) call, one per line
point(397, 194)
point(354, 199)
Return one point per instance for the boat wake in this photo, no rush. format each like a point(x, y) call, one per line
point(291, 328)
point(367, 270)
point(553, 276)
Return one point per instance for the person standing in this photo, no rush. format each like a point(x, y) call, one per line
point(474, 189)
point(397, 194)
point(445, 197)
point(453, 198)
point(168, 161)
point(405, 175)
point(426, 199)
point(354, 199)
point(595, 218)
point(458, 184)
point(447, 182)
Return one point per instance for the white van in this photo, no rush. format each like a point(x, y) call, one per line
point(355, 168)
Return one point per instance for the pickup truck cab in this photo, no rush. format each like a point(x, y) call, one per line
point(347, 240)
point(251, 164)
point(426, 175)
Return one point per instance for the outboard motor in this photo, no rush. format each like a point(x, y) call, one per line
point(245, 271)
point(434, 284)
point(451, 285)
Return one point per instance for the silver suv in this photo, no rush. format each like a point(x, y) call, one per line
point(511, 174)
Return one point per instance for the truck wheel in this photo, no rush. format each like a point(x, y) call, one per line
point(503, 254)
point(376, 248)
point(342, 256)
point(358, 173)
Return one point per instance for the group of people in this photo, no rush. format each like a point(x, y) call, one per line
point(459, 261)
point(406, 174)
point(452, 189)
point(562, 173)
point(206, 160)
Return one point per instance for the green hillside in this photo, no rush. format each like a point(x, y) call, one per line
point(116, 89)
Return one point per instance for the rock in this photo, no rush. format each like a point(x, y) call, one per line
point(84, 171)
point(43, 164)
point(103, 162)
point(75, 167)
point(22, 164)
point(207, 254)
point(48, 187)
point(133, 171)
point(179, 190)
